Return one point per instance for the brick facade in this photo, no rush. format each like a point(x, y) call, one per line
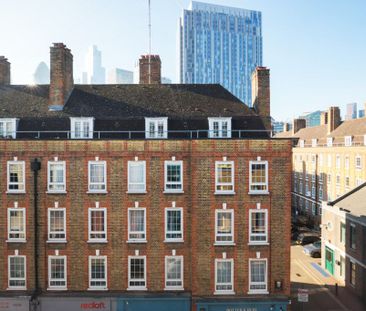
point(198, 202)
point(4, 71)
point(150, 69)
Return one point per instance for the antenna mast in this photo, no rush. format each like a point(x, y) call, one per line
point(149, 42)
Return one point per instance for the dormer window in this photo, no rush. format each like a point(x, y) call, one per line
point(219, 127)
point(329, 141)
point(348, 141)
point(314, 142)
point(156, 128)
point(302, 143)
point(8, 128)
point(82, 128)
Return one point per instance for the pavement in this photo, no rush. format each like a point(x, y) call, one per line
point(307, 273)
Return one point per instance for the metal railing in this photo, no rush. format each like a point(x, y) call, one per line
point(171, 134)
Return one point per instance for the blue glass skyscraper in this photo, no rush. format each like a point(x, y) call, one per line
point(219, 44)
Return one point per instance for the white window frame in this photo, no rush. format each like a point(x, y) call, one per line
point(136, 280)
point(217, 235)
point(250, 178)
point(258, 291)
point(218, 184)
point(22, 163)
point(356, 159)
point(348, 141)
point(100, 280)
point(10, 232)
point(136, 240)
point(49, 183)
point(346, 162)
point(228, 291)
point(5, 122)
point(338, 161)
point(56, 240)
point(156, 122)
point(143, 163)
point(90, 232)
point(166, 182)
point(82, 121)
point(314, 142)
point(15, 278)
point(302, 143)
point(211, 133)
point(253, 235)
point(57, 287)
point(329, 141)
point(103, 184)
point(176, 287)
point(181, 239)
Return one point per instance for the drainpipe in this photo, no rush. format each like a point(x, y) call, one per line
point(35, 167)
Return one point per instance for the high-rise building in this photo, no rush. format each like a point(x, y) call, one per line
point(166, 80)
point(312, 118)
point(351, 111)
point(219, 44)
point(361, 113)
point(42, 74)
point(94, 69)
point(120, 76)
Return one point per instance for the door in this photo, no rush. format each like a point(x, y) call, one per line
point(329, 260)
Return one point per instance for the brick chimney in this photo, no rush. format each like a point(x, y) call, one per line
point(62, 81)
point(152, 76)
point(261, 95)
point(4, 71)
point(324, 118)
point(286, 127)
point(298, 124)
point(334, 118)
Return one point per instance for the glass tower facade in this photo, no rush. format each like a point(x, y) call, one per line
point(219, 44)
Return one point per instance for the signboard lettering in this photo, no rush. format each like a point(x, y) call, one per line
point(241, 309)
point(303, 295)
point(92, 306)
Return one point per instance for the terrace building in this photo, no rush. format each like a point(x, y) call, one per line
point(141, 197)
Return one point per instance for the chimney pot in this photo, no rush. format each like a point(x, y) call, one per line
point(4, 71)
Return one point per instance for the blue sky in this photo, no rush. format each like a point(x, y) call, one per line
point(316, 50)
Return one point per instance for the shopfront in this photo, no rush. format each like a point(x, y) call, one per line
point(75, 304)
point(14, 303)
point(154, 304)
point(242, 305)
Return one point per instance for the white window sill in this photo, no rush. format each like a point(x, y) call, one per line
point(136, 192)
point(136, 288)
point(258, 192)
point(174, 241)
point(173, 288)
point(136, 241)
point(263, 292)
point(224, 192)
point(229, 292)
point(56, 241)
point(15, 192)
point(258, 243)
point(16, 241)
point(97, 288)
point(56, 288)
point(173, 192)
point(97, 241)
point(17, 288)
point(56, 192)
point(97, 192)
point(224, 244)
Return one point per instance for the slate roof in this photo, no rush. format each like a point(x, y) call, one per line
point(123, 107)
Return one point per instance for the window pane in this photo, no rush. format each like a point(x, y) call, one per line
point(174, 269)
point(16, 178)
point(224, 177)
point(137, 272)
point(223, 275)
point(173, 176)
point(57, 230)
point(17, 271)
point(16, 222)
point(258, 275)
point(137, 224)
point(57, 273)
point(174, 224)
point(56, 181)
point(224, 226)
point(97, 228)
point(136, 176)
point(97, 180)
point(258, 180)
point(98, 275)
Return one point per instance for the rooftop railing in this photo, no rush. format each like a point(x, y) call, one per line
point(130, 135)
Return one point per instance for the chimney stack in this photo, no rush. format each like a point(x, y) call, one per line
point(298, 124)
point(334, 118)
point(62, 81)
point(150, 75)
point(4, 71)
point(286, 127)
point(324, 118)
point(261, 95)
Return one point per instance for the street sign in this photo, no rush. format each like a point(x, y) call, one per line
point(303, 295)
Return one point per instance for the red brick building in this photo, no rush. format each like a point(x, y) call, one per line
point(147, 197)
